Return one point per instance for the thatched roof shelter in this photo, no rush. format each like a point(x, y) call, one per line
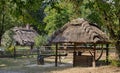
point(24, 36)
point(81, 31)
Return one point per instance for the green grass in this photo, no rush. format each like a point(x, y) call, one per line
point(22, 47)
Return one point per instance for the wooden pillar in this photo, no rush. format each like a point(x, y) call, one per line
point(31, 48)
point(14, 52)
point(94, 56)
point(38, 55)
point(74, 54)
point(56, 54)
point(107, 53)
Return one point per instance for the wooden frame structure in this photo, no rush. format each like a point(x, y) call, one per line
point(93, 53)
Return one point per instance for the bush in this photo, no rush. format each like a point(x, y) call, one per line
point(115, 63)
point(9, 51)
point(40, 40)
point(7, 38)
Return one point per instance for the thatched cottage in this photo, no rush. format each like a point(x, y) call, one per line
point(24, 36)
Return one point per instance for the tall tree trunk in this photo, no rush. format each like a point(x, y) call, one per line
point(2, 24)
point(0, 39)
point(117, 46)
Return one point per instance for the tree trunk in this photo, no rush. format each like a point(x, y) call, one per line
point(2, 24)
point(117, 46)
point(0, 39)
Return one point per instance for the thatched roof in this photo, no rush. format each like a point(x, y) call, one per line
point(24, 36)
point(79, 30)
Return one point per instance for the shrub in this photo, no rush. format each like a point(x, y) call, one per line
point(40, 40)
point(9, 51)
point(115, 63)
point(7, 39)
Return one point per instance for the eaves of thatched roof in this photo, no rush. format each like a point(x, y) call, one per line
point(80, 31)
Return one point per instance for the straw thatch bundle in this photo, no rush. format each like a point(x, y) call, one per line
point(24, 36)
point(79, 30)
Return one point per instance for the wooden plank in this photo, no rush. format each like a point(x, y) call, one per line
point(83, 60)
point(53, 54)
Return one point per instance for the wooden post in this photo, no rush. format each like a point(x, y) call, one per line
point(31, 48)
point(74, 54)
point(14, 52)
point(94, 56)
point(56, 58)
point(107, 53)
point(38, 62)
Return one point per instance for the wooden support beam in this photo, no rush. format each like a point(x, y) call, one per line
point(74, 54)
point(56, 55)
point(47, 55)
point(94, 56)
point(14, 52)
point(107, 53)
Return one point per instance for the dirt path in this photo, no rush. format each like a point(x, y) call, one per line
point(104, 69)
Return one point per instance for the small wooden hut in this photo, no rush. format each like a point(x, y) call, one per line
point(81, 36)
point(24, 36)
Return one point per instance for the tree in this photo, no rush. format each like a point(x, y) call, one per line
point(109, 14)
point(57, 14)
point(6, 20)
point(16, 12)
point(106, 13)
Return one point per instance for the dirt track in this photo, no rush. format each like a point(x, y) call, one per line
point(104, 69)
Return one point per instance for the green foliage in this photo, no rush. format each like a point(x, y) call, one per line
point(23, 8)
point(40, 40)
point(7, 38)
point(115, 63)
point(56, 17)
point(6, 19)
point(109, 16)
point(8, 42)
point(9, 51)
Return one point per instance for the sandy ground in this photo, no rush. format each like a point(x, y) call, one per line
point(105, 69)
point(68, 68)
